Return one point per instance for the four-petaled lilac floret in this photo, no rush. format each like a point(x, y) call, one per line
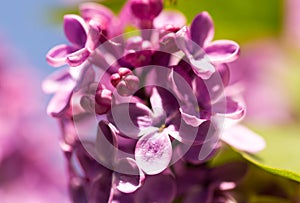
point(125, 82)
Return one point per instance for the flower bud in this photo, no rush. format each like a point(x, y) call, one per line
point(146, 9)
point(125, 82)
point(103, 99)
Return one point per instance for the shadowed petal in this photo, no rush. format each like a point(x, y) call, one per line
point(222, 51)
point(57, 56)
point(160, 188)
point(101, 189)
point(229, 172)
point(130, 118)
point(199, 194)
point(78, 57)
point(106, 144)
point(202, 29)
point(153, 152)
point(243, 139)
point(130, 177)
point(75, 30)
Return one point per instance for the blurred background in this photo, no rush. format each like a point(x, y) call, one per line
point(267, 73)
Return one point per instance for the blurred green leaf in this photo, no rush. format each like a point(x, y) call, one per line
point(238, 20)
point(268, 199)
point(234, 19)
point(281, 156)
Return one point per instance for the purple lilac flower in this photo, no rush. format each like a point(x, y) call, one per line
point(31, 167)
point(143, 103)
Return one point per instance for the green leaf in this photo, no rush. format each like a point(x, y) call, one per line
point(237, 20)
point(268, 199)
point(281, 156)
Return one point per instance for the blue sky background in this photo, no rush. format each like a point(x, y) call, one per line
point(27, 27)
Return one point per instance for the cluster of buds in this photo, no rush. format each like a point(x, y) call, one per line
point(142, 113)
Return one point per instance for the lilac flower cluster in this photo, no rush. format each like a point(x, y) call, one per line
point(141, 113)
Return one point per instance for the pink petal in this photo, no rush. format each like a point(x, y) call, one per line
point(93, 10)
point(190, 115)
point(153, 152)
point(57, 56)
point(229, 108)
point(222, 51)
point(56, 80)
point(60, 101)
point(78, 57)
point(160, 188)
point(202, 29)
point(130, 118)
point(106, 144)
point(243, 139)
point(129, 177)
point(94, 34)
point(169, 18)
point(75, 30)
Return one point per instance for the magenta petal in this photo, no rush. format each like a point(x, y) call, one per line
point(243, 139)
point(75, 30)
point(199, 194)
point(78, 57)
point(56, 80)
point(222, 51)
point(201, 66)
point(94, 34)
point(190, 115)
point(202, 29)
point(61, 100)
point(59, 103)
point(229, 108)
point(101, 189)
point(57, 56)
point(130, 177)
point(169, 18)
point(229, 172)
point(93, 10)
point(153, 152)
point(160, 188)
point(130, 118)
point(106, 144)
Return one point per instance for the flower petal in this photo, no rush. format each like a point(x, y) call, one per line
point(130, 177)
point(190, 115)
point(106, 144)
point(91, 10)
point(61, 100)
point(78, 57)
point(153, 152)
point(160, 188)
point(229, 108)
point(56, 80)
point(57, 56)
point(222, 51)
point(130, 118)
point(243, 139)
point(229, 172)
point(199, 194)
point(101, 189)
point(75, 30)
point(202, 29)
point(169, 18)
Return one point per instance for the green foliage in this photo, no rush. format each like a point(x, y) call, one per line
point(281, 156)
point(236, 19)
